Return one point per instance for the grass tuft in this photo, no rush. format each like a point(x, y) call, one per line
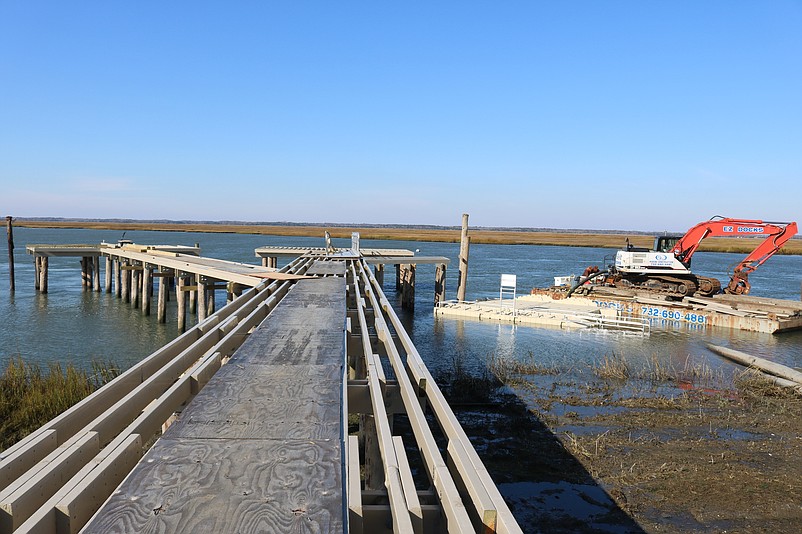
point(30, 397)
point(612, 367)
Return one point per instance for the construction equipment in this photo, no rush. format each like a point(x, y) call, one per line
point(667, 268)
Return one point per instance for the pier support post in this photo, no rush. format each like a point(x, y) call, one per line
point(408, 286)
point(210, 300)
point(135, 285)
point(126, 282)
point(440, 284)
point(272, 261)
point(43, 275)
point(397, 277)
point(233, 291)
point(147, 288)
point(464, 249)
point(96, 273)
point(201, 298)
point(84, 273)
point(10, 234)
point(109, 268)
point(37, 271)
point(378, 274)
point(181, 300)
point(161, 305)
point(193, 295)
point(118, 285)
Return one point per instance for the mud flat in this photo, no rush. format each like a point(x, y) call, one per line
point(605, 307)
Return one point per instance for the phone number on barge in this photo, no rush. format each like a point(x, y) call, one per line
point(662, 313)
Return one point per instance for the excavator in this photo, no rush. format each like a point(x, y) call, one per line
point(667, 268)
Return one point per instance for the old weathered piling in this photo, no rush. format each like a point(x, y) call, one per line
point(147, 288)
point(118, 286)
point(109, 263)
point(440, 283)
point(464, 249)
point(43, 274)
point(96, 273)
point(161, 303)
point(10, 232)
point(408, 286)
point(37, 271)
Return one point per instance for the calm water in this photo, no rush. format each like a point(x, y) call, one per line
point(72, 325)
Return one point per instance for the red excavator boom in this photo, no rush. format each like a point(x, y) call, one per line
point(776, 234)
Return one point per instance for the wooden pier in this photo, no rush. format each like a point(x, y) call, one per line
point(248, 413)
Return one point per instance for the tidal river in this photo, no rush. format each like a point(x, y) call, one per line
point(76, 326)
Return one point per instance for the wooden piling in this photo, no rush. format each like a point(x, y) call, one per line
point(181, 300)
point(210, 301)
point(440, 284)
point(90, 273)
point(118, 290)
point(272, 262)
point(10, 234)
point(84, 273)
point(233, 290)
point(147, 288)
point(96, 273)
point(37, 271)
point(109, 268)
point(126, 282)
point(43, 274)
point(378, 273)
point(202, 302)
point(135, 286)
point(408, 286)
point(161, 304)
point(464, 249)
point(193, 295)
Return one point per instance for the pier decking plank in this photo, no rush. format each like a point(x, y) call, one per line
point(267, 402)
point(260, 448)
point(229, 485)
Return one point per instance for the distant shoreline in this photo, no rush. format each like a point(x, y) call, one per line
point(564, 238)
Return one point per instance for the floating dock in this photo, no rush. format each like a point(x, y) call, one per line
point(624, 309)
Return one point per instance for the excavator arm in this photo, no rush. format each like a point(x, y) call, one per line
point(776, 235)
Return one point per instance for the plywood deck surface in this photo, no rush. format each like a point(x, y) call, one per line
point(260, 448)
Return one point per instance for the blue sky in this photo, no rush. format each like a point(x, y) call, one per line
point(600, 114)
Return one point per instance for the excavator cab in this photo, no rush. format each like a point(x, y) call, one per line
point(665, 243)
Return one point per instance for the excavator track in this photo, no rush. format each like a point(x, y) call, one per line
point(708, 286)
point(664, 285)
point(674, 285)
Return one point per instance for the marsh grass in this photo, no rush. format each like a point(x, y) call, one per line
point(613, 367)
point(509, 369)
point(422, 233)
point(754, 383)
point(30, 396)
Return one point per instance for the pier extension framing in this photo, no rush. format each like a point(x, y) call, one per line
point(276, 411)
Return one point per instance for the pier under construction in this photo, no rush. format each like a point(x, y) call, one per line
point(274, 413)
